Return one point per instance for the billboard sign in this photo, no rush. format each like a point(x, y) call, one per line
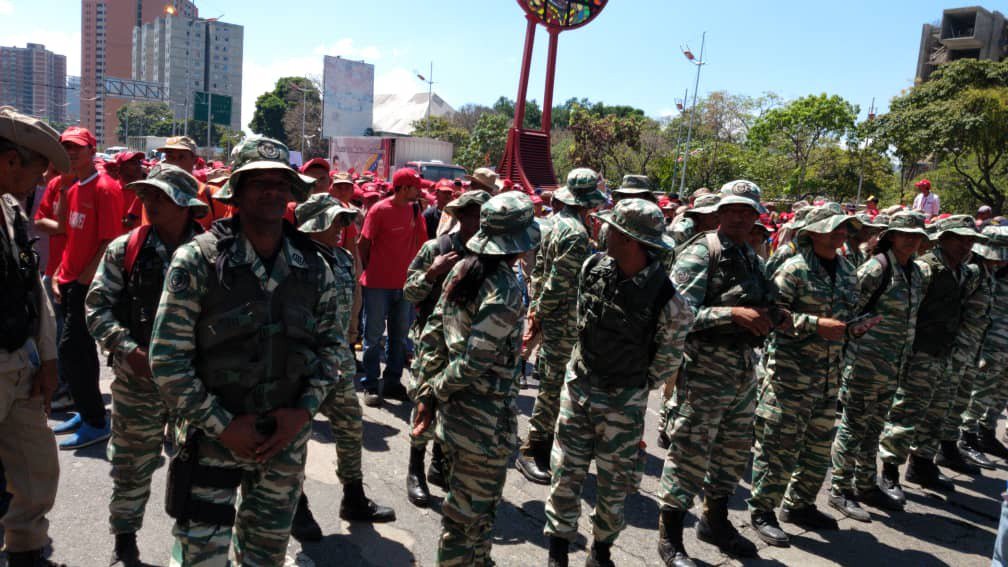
point(348, 97)
point(357, 153)
point(221, 107)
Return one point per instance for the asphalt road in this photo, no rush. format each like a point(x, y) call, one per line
point(957, 531)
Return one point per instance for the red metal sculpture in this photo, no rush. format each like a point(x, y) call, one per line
point(527, 158)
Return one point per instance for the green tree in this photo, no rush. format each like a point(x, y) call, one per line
point(440, 128)
point(278, 113)
point(533, 112)
point(797, 128)
point(144, 119)
point(268, 117)
point(485, 146)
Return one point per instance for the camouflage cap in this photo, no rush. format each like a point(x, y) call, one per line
point(826, 218)
point(507, 226)
point(179, 143)
point(741, 192)
point(257, 153)
point(639, 219)
point(319, 212)
point(704, 205)
point(581, 189)
point(963, 225)
point(466, 199)
point(342, 178)
point(634, 185)
point(906, 222)
point(484, 178)
point(181, 187)
point(996, 246)
point(866, 221)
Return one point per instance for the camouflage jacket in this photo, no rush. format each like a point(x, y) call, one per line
point(106, 292)
point(800, 357)
point(417, 287)
point(173, 346)
point(469, 356)
point(976, 316)
point(782, 254)
point(995, 346)
point(342, 265)
point(891, 340)
point(560, 256)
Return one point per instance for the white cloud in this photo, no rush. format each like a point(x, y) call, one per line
point(60, 43)
point(6, 7)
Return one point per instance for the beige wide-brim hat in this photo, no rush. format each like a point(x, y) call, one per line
point(35, 135)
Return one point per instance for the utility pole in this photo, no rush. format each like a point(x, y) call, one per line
point(430, 87)
point(689, 130)
point(681, 107)
point(860, 179)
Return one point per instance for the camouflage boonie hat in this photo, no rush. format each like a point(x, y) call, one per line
point(826, 218)
point(700, 193)
point(581, 189)
point(639, 219)
point(704, 205)
point(882, 219)
point(319, 212)
point(963, 225)
point(466, 199)
point(866, 221)
point(179, 143)
point(906, 222)
point(257, 153)
point(996, 246)
point(181, 187)
point(634, 185)
point(507, 226)
point(741, 192)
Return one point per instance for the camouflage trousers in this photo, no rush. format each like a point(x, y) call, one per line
point(343, 411)
point(554, 353)
point(867, 392)
point(268, 494)
point(138, 428)
point(605, 425)
point(915, 403)
point(794, 433)
point(710, 428)
point(416, 379)
point(987, 400)
point(475, 486)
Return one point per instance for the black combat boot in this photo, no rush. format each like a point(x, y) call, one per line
point(988, 443)
point(356, 507)
point(31, 558)
point(304, 527)
point(950, 457)
point(435, 472)
point(670, 539)
point(923, 472)
point(889, 483)
point(809, 517)
point(715, 528)
point(846, 503)
point(533, 460)
point(416, 482)
point(600, 556)
point(769, 530)
point(969, 448)
point(126, 552)
point(879, 498)
point(558, 549)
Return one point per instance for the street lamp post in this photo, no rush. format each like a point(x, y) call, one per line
point(430, 88)
point(304, 103)
point(689, 130)
point(681, 107)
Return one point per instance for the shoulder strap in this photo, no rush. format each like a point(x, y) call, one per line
point(883, 284)
point(136, 241)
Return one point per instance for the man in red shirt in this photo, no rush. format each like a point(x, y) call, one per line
point(393, 232)
point(91, 216)
point(130, 167)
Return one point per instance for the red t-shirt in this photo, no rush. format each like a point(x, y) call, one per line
point(94, 215)
point(47, 210)
point(396, 234)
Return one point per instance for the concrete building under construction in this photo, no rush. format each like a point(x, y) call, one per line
point(962, 33)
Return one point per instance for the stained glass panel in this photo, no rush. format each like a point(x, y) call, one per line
point(563, 13)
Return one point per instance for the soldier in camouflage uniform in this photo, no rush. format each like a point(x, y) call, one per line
point(323, 218)
point(247, 343)
point(925, 393)
point(631, 329)
point(787, 247)
point(120, 307)
point(424, 280)
point(701, 217)
point(469, 352)
point(855, 248)
point(553, 309)
point(710, 425)
point(800, 373)
point(890, 285)
point(990, 389)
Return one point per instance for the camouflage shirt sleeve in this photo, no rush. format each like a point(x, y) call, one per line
point(790, 280)
point(432, 353)
point(674, 323)
point(561, 276)
point(417, 287)
point(333, 349)
point(343, 279)
point(105, 292)
point(173, 344)
point(690, 279)
point(869, 278)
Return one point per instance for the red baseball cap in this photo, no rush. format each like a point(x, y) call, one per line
point(79, 136)
point(123, 157)
point(407, 177)
point(923, 184)
point(445, 185)
point(316, 162)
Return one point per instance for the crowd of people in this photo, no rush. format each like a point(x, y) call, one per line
point(230, 300)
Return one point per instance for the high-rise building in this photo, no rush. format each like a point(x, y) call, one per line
point(106, 52)
point(73, 99)
point(191, 57)
point(33, 80)
point(963, 33)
